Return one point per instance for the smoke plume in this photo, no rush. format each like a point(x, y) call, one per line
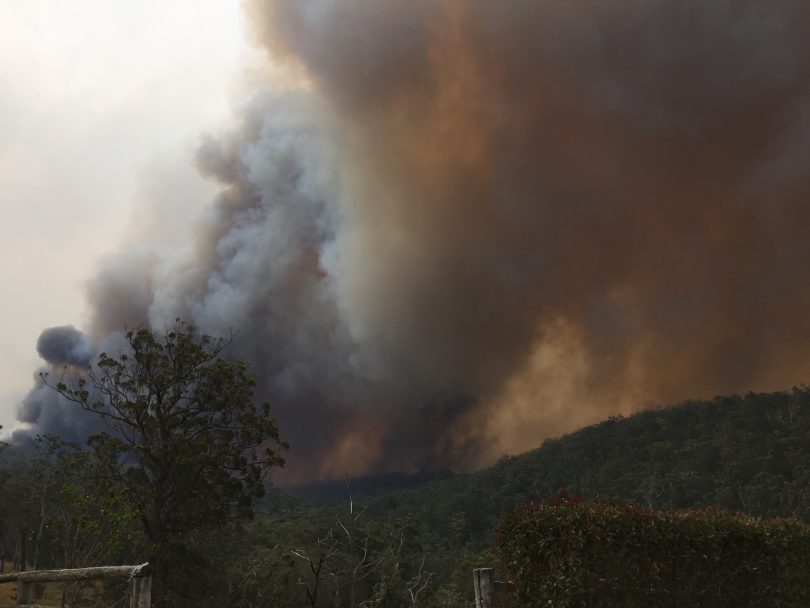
point(64, 346)
point(476, 224)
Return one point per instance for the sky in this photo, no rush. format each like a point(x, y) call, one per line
point(102, 105)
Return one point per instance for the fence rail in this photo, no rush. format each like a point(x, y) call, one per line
point(140, 580)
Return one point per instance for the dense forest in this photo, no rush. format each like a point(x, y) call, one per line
point(349, 544)
point(749, 454)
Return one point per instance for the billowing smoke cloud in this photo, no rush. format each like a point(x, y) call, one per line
point(68, 352)
point(64, 346)
point(477, 224)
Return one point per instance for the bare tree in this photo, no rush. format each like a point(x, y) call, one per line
point(327, 548)
point(359, 565)
point(418, 583)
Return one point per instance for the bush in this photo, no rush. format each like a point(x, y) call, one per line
point(569, 554)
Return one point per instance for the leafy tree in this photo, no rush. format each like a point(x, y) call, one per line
point(188, 446)
point(78, 519)
point(18, 502)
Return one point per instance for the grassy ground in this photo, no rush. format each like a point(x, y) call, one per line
point(52, 595)
point(8, 591)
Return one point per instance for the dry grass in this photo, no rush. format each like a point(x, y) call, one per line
point(52, 595)
point(8, 591)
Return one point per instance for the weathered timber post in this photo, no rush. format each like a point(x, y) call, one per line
point(482, 580)
point(25, 589)
point(140, 590)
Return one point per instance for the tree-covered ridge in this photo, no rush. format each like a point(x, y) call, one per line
point(748, 454)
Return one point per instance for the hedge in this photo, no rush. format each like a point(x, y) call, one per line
point(569, 554)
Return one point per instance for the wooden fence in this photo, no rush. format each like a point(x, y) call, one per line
point(139, 577)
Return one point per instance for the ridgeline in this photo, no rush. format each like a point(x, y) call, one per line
point(749, 454)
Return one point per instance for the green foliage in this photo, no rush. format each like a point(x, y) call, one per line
point(83, 520)
point(72, 517)
point(572, 554)
point(302, 556)
point(18, 501)
point(368, 563)
point(188, 446)
point(188, 449)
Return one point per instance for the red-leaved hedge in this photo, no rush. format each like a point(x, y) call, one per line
point(570, 554)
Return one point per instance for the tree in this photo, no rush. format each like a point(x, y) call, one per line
point(188, 446)
point(80, 519)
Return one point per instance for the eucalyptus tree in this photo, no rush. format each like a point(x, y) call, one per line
point(186, 443)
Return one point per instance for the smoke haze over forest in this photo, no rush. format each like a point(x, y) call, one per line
point(464, 226)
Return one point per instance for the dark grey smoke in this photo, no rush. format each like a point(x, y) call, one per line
point(64, 345)
point(68, 353)
point(46, 412)
point(477, 224)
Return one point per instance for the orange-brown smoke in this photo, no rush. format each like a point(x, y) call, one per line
point(481, 223)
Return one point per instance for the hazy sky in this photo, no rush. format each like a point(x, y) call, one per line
point(102, 103)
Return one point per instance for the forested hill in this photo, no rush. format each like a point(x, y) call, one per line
point(749, 454)
point(326, 493)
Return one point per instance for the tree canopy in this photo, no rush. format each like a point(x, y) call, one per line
point(187, 442)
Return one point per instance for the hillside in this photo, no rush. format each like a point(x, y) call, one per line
point(749, 454)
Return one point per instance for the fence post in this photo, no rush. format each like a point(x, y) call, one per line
point(482, 580)
point(140, 592)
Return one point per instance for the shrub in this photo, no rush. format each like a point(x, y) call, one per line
point(569, 554)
